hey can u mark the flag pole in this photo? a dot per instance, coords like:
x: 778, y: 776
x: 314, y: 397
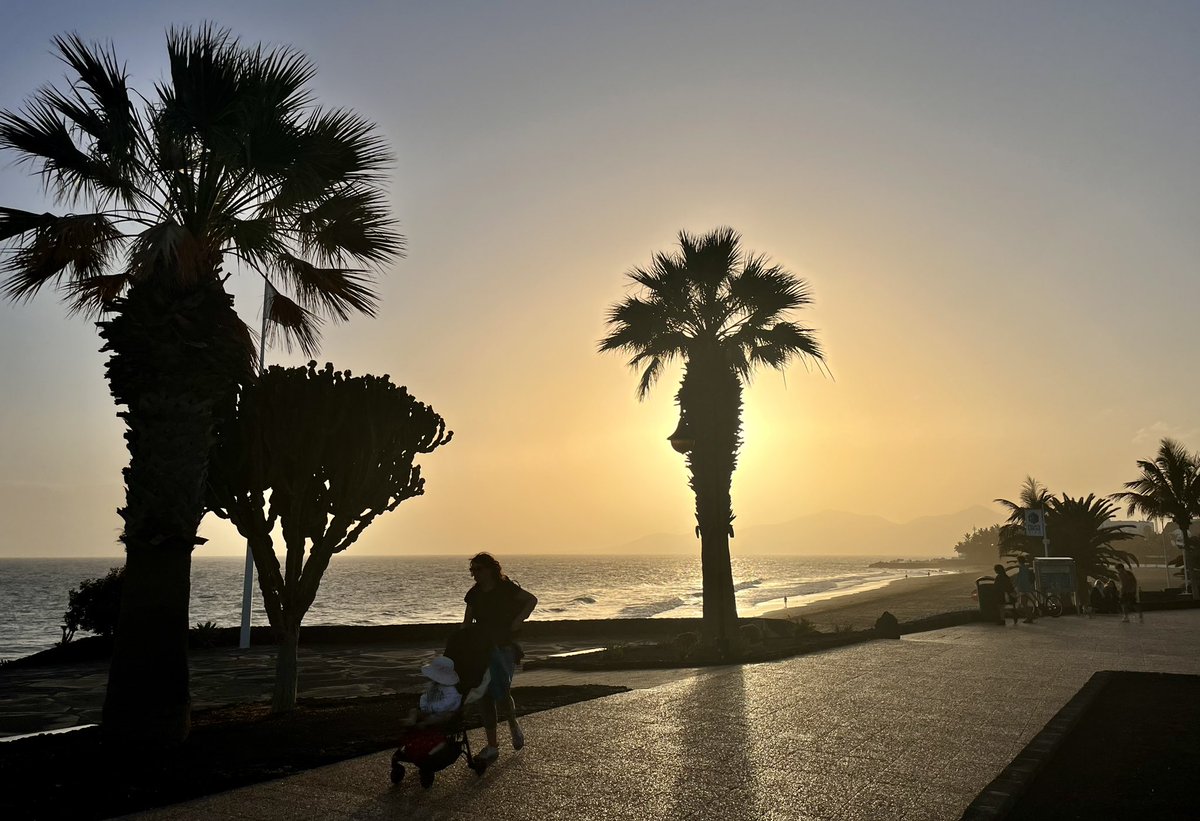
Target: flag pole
x: 248, y: 576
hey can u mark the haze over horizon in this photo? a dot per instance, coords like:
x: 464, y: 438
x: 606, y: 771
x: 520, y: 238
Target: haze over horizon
x: 994, y: 207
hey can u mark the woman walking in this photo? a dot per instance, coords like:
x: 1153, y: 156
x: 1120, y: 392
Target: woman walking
x: 498, y: 606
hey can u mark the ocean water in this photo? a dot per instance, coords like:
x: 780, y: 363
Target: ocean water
x: 370, y: 590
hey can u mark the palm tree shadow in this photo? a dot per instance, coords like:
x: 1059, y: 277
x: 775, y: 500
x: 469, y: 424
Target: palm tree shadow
x: 713, y: 751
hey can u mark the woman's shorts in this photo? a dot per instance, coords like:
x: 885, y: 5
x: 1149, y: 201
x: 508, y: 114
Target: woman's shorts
x: 501, y: 664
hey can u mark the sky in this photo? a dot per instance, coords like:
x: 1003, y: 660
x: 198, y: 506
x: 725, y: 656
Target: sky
x: 994, y: 204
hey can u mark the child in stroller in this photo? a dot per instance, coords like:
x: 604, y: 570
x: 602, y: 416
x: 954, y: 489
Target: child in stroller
x: 436, y: 735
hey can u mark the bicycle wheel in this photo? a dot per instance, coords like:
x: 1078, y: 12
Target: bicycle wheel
x: 1054, y: 606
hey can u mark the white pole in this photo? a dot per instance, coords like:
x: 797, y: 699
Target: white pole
x: 248, y: 577
x: 1045, y: 535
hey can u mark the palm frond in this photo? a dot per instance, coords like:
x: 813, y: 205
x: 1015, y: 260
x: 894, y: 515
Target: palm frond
x: 649, y: 376
x: 351, y: 223
x: 14, y: 222
x: 109, y: 119
x: 337, y: 290
x: 171, y: 250
x: 294, y: 324
x: 79, y: 244
x: 95, y: 295
x: 41, y: 139
x: 764, y: 292
x: 256, y: 240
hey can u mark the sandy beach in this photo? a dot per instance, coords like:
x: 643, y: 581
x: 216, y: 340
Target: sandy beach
x: 907, y: 599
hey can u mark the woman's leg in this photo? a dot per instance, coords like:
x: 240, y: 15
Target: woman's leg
x: 514, y: 729
x: 488, y: 707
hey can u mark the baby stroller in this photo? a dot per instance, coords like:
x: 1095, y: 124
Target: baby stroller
x: 434, y: 748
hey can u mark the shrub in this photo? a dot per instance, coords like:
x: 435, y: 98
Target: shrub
x: 95, y: 605
x: 685, y: 644
x: 204, y: 634
x: 751, y: 635
x: 804, y: 627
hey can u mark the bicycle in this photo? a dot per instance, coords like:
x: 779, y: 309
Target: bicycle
x: 1047, y: 604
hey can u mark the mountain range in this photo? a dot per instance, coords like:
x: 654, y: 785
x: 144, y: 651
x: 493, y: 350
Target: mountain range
x: 835, y: 532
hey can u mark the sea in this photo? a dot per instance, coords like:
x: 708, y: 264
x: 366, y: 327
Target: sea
x: 380, y: 590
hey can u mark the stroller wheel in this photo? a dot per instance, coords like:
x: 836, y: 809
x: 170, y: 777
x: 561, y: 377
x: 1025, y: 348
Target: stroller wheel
x: 426, y: 778
x: 397, y: 773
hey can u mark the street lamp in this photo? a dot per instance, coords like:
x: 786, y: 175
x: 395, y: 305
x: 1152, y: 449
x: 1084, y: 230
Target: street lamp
x: 682, y: 439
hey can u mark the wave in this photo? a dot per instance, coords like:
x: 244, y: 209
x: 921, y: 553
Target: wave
x: 583, y: 600
x: 811, y: 588
x: 650, y: 609
x: 740, y: 586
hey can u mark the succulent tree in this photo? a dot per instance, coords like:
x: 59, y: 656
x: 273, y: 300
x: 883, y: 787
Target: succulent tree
x: 321, y: 454
x: 226, y: 166
x: 723, y: 313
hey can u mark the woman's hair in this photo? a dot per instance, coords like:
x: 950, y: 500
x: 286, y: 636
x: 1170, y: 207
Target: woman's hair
x: 489, y: 561
x: 999, y: 568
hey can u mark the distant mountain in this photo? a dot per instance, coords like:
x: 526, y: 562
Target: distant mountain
x: 833, y: 532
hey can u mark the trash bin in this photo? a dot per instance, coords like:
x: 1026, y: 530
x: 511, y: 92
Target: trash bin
x: 990, y: 606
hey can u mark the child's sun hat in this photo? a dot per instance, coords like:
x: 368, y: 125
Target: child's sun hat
x: 441, y: 670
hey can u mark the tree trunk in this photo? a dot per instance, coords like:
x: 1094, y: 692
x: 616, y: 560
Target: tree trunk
x: 286, y: 670
x: 1188, y: 563
x: 147, y: 702
x: 710, y: 400
x: 176, y: 361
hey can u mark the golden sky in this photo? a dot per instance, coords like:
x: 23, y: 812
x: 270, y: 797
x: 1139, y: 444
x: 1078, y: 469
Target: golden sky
x: 995, y: 209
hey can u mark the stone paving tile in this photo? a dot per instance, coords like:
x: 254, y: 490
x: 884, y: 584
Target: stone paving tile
x: 909, y: 729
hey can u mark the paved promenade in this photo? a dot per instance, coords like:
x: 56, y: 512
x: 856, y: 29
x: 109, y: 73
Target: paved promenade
x: 908, y: 729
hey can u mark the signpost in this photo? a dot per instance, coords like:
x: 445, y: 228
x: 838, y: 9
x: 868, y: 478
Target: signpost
x: 1035, y: 525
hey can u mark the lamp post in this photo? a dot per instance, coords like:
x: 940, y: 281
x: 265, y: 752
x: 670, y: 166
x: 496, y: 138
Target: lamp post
x: 682, y: 439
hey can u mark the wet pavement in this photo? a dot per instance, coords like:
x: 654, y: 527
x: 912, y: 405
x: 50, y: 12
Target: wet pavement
x: 903, y: 729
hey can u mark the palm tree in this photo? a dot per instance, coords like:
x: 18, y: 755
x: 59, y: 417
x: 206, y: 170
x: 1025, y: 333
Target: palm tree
x: 226, y: 166
x: 1169, y: 488
x: 1080, y: 528
x: 1034, y: 496
x: 722, y: 312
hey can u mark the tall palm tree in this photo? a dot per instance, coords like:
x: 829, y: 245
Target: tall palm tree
x: 722, y: 312
x: 1034, y: 496
x: 226, y: 166
x: 1169, y: 488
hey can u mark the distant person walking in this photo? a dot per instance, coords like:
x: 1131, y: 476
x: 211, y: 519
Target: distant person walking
x: 1005, y: 592
x: 1024, y: 585
x: 1129, y: 593
x: 1112, y: 597
x: 499, y: 606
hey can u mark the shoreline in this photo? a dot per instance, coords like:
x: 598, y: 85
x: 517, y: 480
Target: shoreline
x: 907, y: 599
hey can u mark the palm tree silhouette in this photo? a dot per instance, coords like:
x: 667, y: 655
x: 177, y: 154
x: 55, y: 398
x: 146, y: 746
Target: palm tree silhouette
x: 1083, y: 529
x: 1077, y: 527
x: 227, y: 163
x: 722, y: 312
x: 1169, y: 488
x: 1034, y: 496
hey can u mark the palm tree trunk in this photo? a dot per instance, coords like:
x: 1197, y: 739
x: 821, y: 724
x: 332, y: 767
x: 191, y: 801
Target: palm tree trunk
x: 148, y: 701
x: 710, y: 399
x: 176, y: 360
x: 1188, y: 564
